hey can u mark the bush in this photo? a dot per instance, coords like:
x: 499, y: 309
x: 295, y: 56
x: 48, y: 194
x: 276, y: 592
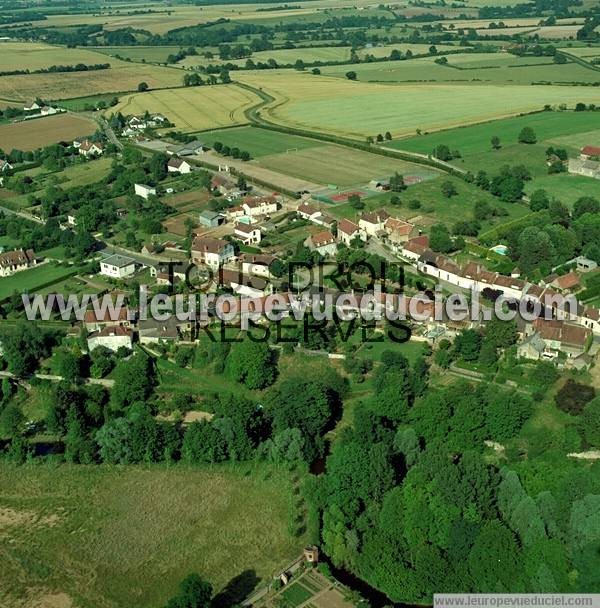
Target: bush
x: 573, y: 397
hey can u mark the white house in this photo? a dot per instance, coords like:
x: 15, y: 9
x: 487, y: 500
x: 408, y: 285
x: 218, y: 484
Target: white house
x: 144, y: 191
x: 178, y: 165
x: 323, y: 242
x: 257, y: 264
x: 247, y: 233
x: 112, y: 338
x: 15, y: 261
x: 374, y: 222
x: 414, y: 248
x: 244, y: 285
x: 347, y: 231
x: 212, y: 252
x: 32, y: 105
x: 48, y: 111
x: 259, y: 205
x: 89, y: 148
x: 117, y: 266
x: 311, y: 213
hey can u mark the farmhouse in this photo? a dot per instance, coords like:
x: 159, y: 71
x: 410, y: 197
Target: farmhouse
x: 397, y: 231
x: 557, y: 336
x: 347, y: 231
x: 257, y: 263
x: 144, y: 191
x: 179, y: 165
x: 323, y: 242
x: 259, y: 205
x: 212, y: 252
x: 5, y: 165
x: 414, y: 248
x: 590, y: 153
x: 117, y: 266
x: 225, y: 185
x: 89, y: 148
x: 31, y: 106
x: 587, y: 168
x: 112, y: 338
x: 15, y: 261
x: 247, y: 233
x: 210, y: 219
x: 374, y: 222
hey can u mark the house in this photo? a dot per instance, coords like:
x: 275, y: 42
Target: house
x: 397, y: 231
x: 560, y: 336
x: 178, y: 165
x: 144, y: 191
x: 589, y: 153
x: 244, y: 285
x: 153, y: 331
x: 591, y: 319
x: 414, y: 248
x: 587, y: 168
x: 225, y: 185
x: 247, y: 233
x: 566, y: 283
x: 31, y: 106
x: 169, y: 274
x: 96, y: 320
x: 257, y: 263
x: 48, y: 111
x: 259, y: 205
x: 347, y: 231
x: 585, y: 264
x: 15, y: 261
x: 112, y: 338
x: 117, y: 266
x: 5, y: 165
x: 212, y: 252
x: 210, y: 219
x: 532, y: 347
x: 89, y: 148
x: 306, y: 210
x: 323, y: 242
x: 313, y: 214
x: 373, y: 223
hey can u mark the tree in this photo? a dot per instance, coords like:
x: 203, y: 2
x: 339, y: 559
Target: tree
x: 589, y: 423
x: 468, y: 344
x: 142, y: 86
x: 133, y: 381
x: 527, y: 136
x: 355, y: 201
x: 496, y: 145
x: 585, y: 204
x: 316, y: 71
x: 449, y: 189
x: 442, y: 152
x: 440, y: 239
x: 11, y: 421
x: 252, y: 364
x: 351, y: 75
x: 388, y: 136
x: 539, y: 200
x: 397, y: 183
x: 573, y: 397
x: 193, y: 593
x: 24, y: 346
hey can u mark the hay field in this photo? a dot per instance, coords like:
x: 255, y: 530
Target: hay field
x: 32, y: 134
x: 193, y: 108
x: 125, y: 536
x: 122, y: 76
x: 36, y: 55
x: 358, y: 109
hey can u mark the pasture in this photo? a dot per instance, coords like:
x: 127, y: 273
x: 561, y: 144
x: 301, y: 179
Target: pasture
x: 126, y: 536
x: 358, y: 109
x: 28, y: 281
x: 40, y: 132
x: 193, y: 108
x: 475, y: 68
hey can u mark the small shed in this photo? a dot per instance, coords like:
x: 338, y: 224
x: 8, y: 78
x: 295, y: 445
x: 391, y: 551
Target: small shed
x: 210, y: 219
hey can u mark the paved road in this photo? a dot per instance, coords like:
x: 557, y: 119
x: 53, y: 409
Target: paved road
x: 110, y: 134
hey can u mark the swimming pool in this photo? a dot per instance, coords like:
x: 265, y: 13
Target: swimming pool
x: 500, y: 249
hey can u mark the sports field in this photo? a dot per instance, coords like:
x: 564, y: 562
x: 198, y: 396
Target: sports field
x: 193, y: 108
x: 359, y: 109
x: 39, y: 132
x: 126, y: 536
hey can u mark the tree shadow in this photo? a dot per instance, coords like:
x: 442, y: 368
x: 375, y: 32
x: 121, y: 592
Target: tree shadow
x: 236, y: 590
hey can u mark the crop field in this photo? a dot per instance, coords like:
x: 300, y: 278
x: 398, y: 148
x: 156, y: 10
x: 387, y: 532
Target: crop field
x: 122, y: 76
x: 359, y: 109
x: 36, y: 55
x: 126, y: 536
x: 344, y: 167
x: 193, y: 108
x: 471, y: 67
x: 583, y: 51
x: 32, y: 134
x: 259, y: 142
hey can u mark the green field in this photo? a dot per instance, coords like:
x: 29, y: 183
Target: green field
x: 566, y: 188
x: 150, y: 54
x: 30, y: 280
x: 125, y: 536
x: 259, y: 142
x: 358, y: 109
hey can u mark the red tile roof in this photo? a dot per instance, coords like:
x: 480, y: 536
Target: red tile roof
x: 322, y: 238
x: 590, y: 151
x: 347, y: 227
x: 568, y: 281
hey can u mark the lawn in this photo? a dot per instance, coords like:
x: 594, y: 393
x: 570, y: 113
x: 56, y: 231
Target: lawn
x: 193, y: 108
x: 259, y: 142
x: 566, y: 188
x: 359, y: 109
x: 125, y: 536
x: 33, y: 279
x: 40, y: 132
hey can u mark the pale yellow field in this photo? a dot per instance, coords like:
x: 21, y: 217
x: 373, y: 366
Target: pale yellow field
x: 36, y: 55
x: 194, y: 108
x: 358, y: 109
x: 124, y: 77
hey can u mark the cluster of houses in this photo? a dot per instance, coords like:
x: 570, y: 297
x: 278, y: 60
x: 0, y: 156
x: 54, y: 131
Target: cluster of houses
x: 588, y: 163
x: 135, y: 124
x: 37, y: 109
